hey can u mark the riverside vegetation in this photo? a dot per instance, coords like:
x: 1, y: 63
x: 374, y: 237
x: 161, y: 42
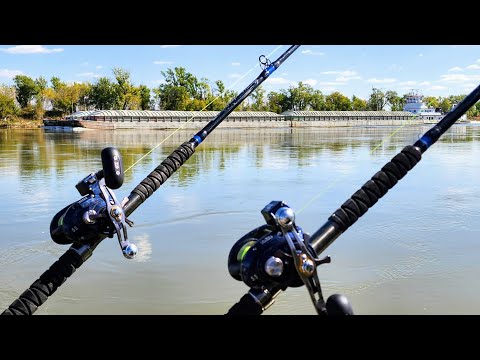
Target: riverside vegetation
x: 26, y: 103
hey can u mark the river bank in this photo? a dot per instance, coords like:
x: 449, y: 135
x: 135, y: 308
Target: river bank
x: 21, y: 123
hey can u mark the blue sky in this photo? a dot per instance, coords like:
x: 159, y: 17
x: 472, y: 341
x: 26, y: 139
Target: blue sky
x: 434, y: 70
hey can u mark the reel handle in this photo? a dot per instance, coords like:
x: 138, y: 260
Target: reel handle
x: 112, y: 167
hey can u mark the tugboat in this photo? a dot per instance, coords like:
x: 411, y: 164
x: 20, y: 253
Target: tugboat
x: 414, y: 104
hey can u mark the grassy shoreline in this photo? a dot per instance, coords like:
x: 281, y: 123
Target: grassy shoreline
x: 20, y: 123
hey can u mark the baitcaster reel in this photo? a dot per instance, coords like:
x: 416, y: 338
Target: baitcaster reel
x: 276, y: 256
x: 98, y: 214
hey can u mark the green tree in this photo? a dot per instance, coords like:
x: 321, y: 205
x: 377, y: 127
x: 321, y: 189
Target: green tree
x: 202, y: 89
x: 49, y: 95
x: 180, y: 88
x: 277, y: 102
x: 337, y: 102
x: 195, y: 105
x: 25, y: 88
x: 456, y: 99
x: 41, y: 97
x: 41, y: 83
x: 377, y: 100
x: 431, y: 102
x: 56, y: 83
x: 83, y: 94
x: 217, y: 100
x: 180, y: 77
x: 66, y: 97
x: 445, y: 105
x: 175, y: 98
x: 472, y: 112
x: 145, y: 102
x: 297, y: 98
x: 300, y: 97
x: 222, y: 97
x: 128, y: 96
x: 259, y: 100
x: 396, y: 102
x: 317, y: 101
x: 102, y: 94
x: 8, y: 108
x: 359, y: 104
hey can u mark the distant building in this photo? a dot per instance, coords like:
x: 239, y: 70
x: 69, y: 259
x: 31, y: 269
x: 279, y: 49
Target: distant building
x: 414, y: 104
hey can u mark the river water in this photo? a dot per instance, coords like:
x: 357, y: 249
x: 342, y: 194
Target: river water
x: 417, y: 251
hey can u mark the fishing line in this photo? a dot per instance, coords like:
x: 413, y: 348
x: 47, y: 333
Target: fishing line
x: 186, y: 122
x: 338, y: 178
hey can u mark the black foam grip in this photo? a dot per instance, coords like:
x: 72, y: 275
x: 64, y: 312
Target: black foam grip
x: 376, y: 187
x: 46, y: 285
x: 246, y: 306
x: 163, y: 171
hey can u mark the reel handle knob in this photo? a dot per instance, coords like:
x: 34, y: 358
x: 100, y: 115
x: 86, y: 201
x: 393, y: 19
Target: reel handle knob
x: 338, y: 305
x: 130, y: 251
x: 112, y: 167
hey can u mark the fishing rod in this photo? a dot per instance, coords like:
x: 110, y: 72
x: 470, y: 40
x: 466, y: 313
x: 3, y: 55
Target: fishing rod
x: 279, y: 254
x: 98, y: 214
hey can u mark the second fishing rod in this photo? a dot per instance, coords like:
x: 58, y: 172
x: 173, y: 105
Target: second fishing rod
x: 279, y: 254
x: 99, y: 214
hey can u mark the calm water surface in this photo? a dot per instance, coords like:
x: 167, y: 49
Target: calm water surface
x: 417, y: 251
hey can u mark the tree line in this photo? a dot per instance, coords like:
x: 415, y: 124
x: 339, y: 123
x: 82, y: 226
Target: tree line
x: 181, y: 90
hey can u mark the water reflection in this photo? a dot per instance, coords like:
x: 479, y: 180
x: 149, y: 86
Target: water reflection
x: 144, y: 247
x: 39, y: 151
